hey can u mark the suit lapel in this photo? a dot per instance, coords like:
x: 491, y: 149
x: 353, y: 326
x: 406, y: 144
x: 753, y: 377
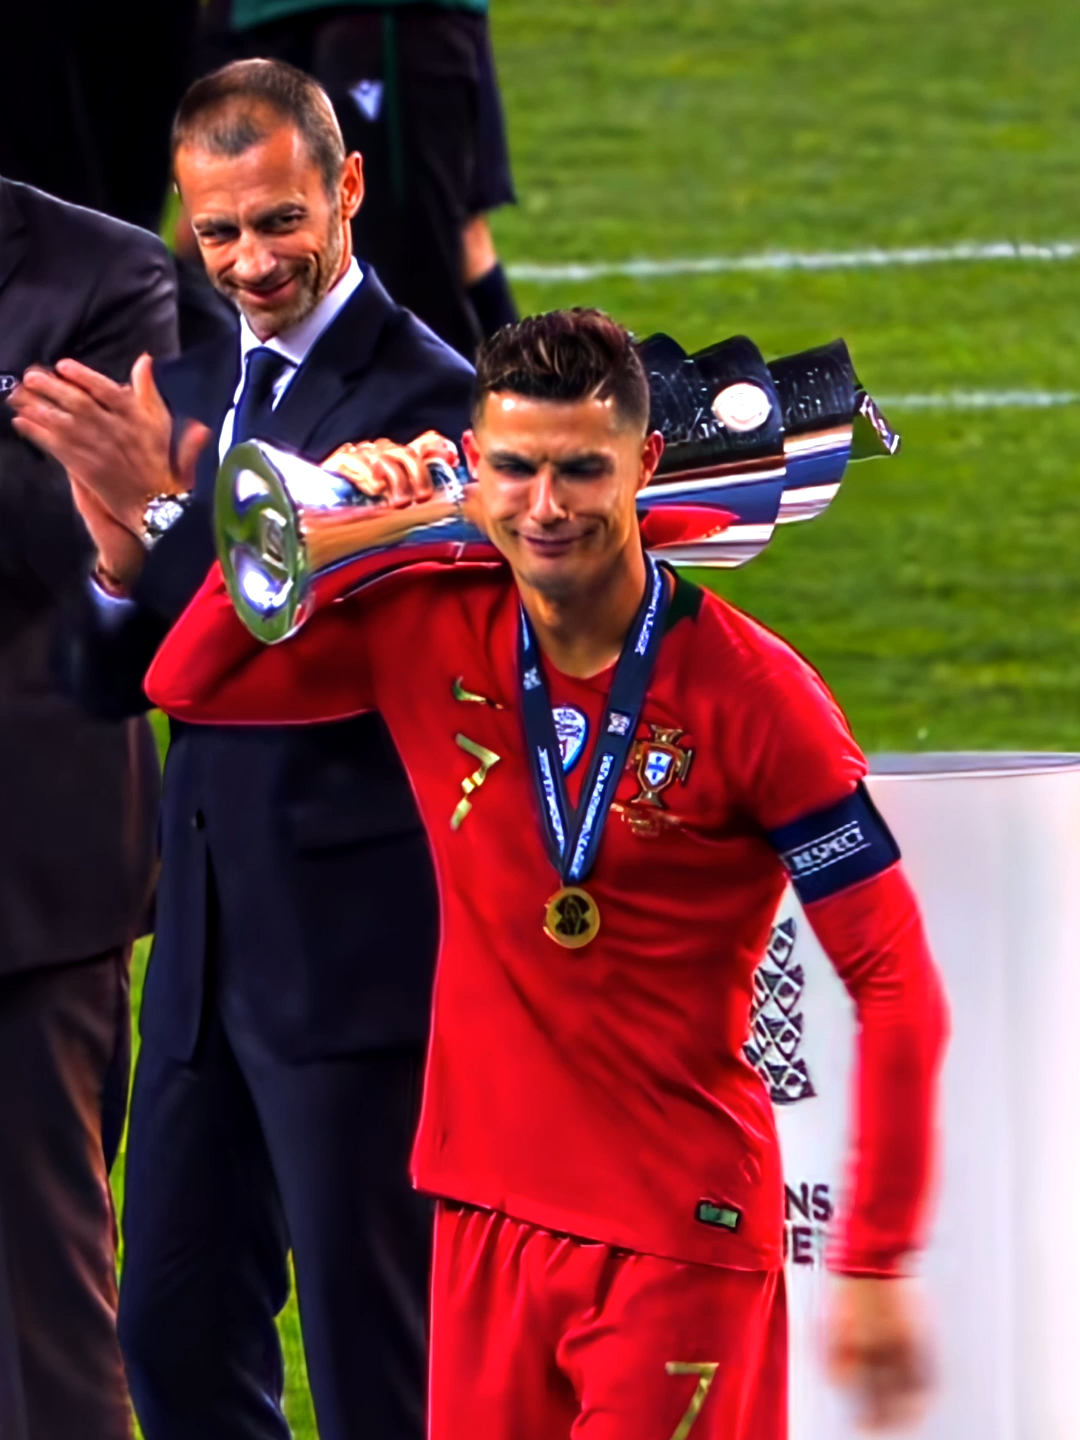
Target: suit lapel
x: 342, y: 351
x: 200, y: 386
x: 12, y: 232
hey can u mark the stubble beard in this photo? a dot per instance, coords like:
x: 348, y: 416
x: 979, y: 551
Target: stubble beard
x: 581, y: 584
x: 313, y: 283
x: 560, y: 584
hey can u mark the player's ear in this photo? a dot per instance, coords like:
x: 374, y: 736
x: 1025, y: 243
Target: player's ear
x: 651, y: 451
x: 471, y: 450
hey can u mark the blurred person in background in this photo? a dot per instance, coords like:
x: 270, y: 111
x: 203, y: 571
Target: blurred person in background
x: 78, y: 808
x: 87, y: 95
x: 287, y: 1001
x: 415, y: 91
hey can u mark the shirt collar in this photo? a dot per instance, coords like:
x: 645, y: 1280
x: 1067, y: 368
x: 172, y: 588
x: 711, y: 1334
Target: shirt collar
x: 295, y: 344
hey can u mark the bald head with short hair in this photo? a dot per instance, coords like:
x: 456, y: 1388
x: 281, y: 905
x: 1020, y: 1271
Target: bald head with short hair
x: 234, y: 109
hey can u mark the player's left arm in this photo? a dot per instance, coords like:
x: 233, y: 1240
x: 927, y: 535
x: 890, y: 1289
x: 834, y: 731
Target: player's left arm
x: 805, y: 785
x: 873, y: 933
x: 845, y: 867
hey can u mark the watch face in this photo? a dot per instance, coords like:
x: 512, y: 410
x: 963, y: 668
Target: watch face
x: 161, y: 513
x: 169, y: 513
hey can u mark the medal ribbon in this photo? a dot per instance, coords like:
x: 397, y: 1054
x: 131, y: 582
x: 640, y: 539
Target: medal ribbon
x: 573, y: 836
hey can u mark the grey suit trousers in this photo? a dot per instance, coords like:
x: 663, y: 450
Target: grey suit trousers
x: 64, y: 1059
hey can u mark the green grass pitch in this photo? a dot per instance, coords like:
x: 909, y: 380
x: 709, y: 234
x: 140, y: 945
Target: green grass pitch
x: 939, y: 594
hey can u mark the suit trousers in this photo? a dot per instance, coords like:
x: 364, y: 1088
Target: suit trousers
x: 64, y: 1058
x: 233, y: 1159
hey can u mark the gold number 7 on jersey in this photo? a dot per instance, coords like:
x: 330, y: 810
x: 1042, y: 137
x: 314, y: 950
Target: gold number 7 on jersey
x: 487, y: 759
x: 706, y: 1373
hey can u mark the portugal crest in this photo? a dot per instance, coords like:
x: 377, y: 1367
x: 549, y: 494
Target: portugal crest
x: 658, y: 763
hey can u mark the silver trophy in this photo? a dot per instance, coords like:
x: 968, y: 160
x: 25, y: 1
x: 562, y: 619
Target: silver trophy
x: 749, y: 446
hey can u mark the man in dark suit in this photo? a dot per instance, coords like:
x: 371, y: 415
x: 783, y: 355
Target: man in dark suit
x: 78, y: 805
x: 415, y: 89
x: 286, y: 1006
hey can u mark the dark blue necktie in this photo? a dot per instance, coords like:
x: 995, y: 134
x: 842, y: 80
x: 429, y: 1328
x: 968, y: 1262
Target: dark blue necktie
x: 256, y: 403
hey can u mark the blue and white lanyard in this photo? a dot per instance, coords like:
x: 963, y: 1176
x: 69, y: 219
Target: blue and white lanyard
x: 573, y: 835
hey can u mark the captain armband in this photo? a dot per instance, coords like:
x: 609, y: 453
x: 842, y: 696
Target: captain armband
x: 836, y: 848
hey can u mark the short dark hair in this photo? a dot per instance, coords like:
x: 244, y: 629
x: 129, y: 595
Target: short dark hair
x: 220, y: 113
x: 565, y: 355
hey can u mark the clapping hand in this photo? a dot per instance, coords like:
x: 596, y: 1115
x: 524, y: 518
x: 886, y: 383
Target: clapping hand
x: 112, y: 439
x: 114, y: 442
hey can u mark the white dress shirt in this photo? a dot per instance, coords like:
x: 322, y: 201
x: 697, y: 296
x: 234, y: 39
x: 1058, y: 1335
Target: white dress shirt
x: 293, y: 344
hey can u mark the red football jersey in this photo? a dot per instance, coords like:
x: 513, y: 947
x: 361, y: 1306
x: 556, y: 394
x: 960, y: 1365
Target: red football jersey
x: 603, y: 1092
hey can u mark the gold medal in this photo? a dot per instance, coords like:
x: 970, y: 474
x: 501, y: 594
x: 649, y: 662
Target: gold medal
x: 572, y: 917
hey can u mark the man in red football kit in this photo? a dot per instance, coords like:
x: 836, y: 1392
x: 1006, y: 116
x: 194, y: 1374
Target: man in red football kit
x: 617, y: 771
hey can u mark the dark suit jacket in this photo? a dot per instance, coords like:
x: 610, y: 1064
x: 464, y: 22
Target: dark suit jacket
x: 322, y: 910
x: 78, y: 797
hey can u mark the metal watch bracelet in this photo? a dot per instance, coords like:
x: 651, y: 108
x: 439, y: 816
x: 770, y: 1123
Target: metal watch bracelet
x: 161, y: 513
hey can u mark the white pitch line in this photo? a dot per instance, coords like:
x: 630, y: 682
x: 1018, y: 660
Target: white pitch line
x: 981, y: 400
x: 964, y: 252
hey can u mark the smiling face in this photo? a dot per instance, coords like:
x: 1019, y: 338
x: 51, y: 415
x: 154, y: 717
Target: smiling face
x: 272, y: 238
x: 558, y: 483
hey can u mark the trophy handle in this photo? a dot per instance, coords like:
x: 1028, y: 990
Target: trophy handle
x: 258, y: 536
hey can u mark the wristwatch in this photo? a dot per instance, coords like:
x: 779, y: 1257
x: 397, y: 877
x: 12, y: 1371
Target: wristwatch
x: 161, y: 513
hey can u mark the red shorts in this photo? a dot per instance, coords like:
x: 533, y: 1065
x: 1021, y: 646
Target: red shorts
x: 536, y: 1336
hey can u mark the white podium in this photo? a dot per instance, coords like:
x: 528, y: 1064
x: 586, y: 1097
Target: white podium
x: 992, y: 845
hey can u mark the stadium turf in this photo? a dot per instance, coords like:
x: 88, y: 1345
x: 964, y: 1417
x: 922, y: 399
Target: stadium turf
x: 939, y: 594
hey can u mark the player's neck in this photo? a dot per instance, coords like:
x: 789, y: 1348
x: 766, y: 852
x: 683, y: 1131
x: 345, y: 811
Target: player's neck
x: 583, y: 633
